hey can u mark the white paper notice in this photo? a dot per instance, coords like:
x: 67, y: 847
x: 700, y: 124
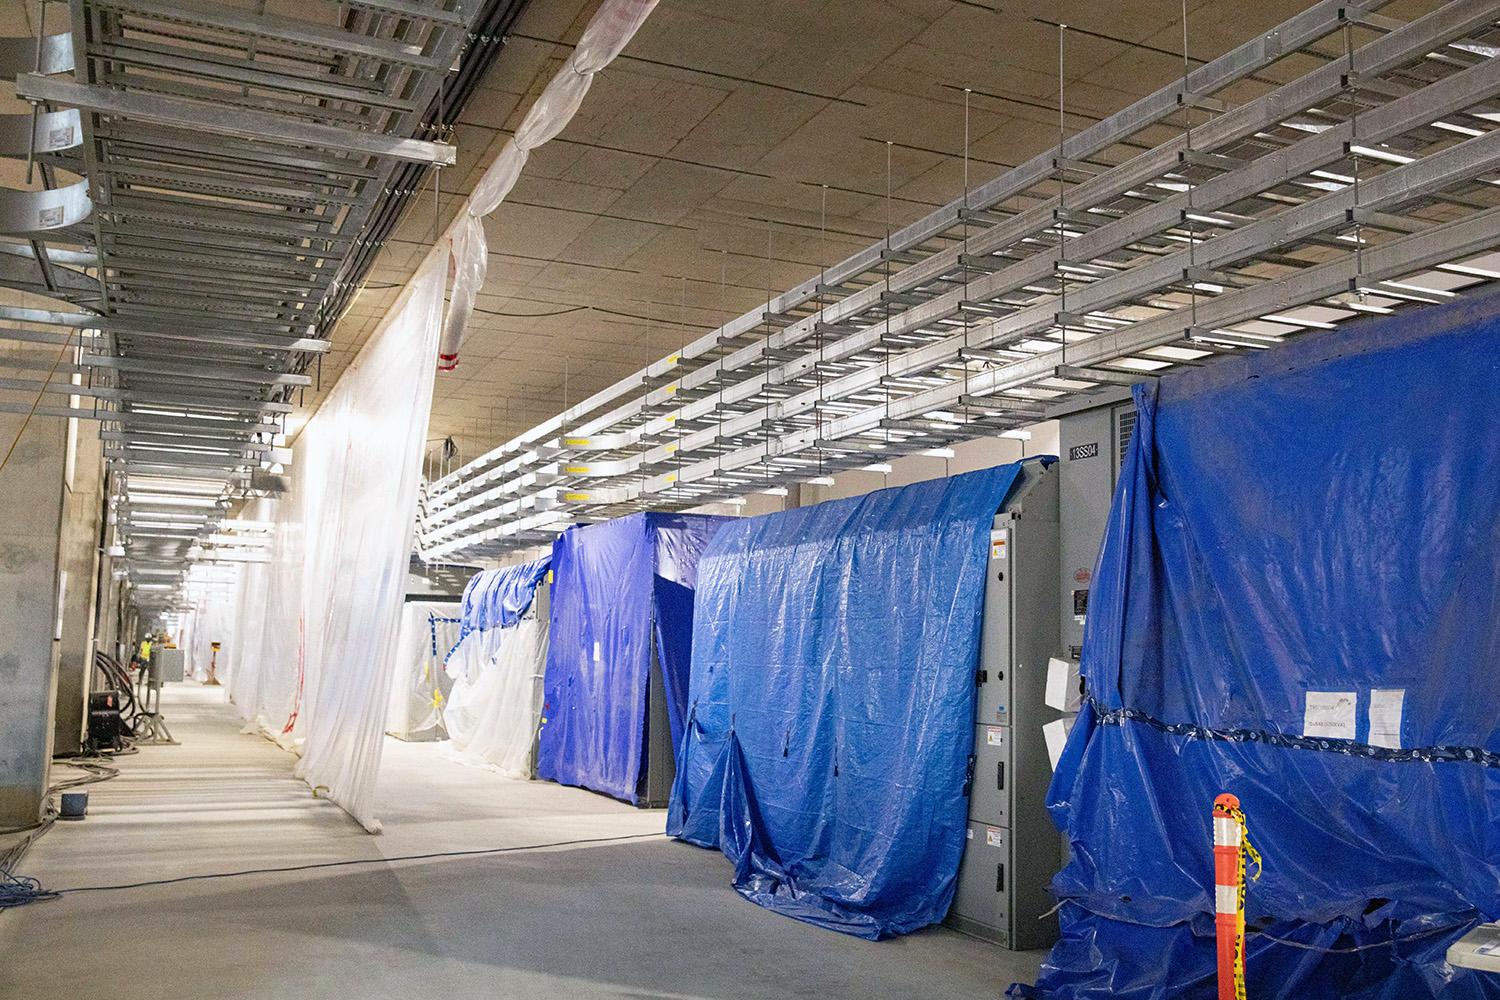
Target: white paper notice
x: 1056, y: 734
x: 1386, y: 705
x: 1330, y: 714
x: 1062, y: 685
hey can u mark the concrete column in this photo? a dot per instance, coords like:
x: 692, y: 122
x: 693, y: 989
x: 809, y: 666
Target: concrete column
x: 31, y: 496
x: 78, y: 551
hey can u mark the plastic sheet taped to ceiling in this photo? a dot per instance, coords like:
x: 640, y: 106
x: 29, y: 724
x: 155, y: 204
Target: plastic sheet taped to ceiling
x: 1297, y: 601
x: 494, y: 709
x: 343, y: 541
x: 615, y: 584
x: 832, y: 708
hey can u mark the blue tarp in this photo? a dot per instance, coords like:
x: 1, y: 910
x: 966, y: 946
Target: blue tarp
x: 832, y: 708
x: 613, y: 584
x: 498, y: 598
x: 1297, y: 601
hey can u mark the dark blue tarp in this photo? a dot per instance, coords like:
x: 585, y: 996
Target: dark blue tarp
x: 613, y: 583
x: 498, y: 598
x: 832, y: 708
x: 1321, y: 518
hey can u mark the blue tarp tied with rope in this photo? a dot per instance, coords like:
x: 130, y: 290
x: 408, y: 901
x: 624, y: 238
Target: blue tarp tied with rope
x: 1297, y: 601
x: 832, y: 705
x: 615, y: 585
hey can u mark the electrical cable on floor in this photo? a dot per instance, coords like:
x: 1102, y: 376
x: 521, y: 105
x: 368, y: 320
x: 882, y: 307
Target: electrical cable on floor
x: 358, y: 861
x: 19, y: 890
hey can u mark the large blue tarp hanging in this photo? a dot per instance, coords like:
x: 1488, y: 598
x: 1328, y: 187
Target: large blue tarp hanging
x: 614, y: 585
x: 1297, y: 601
x: 831, y: 716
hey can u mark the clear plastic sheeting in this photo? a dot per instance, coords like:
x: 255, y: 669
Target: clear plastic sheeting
x: 244, y: 661
x: 617, y: 585
x: 419, y: 685
x: 494, y: 707
x: 1296, y: 602
x: 214, y: 590
x: 607, y: 34
x: 340, y: 559
x: 832, y: 709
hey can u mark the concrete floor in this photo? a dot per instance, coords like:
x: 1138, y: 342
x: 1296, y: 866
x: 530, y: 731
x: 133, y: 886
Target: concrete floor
x: 642, y: 918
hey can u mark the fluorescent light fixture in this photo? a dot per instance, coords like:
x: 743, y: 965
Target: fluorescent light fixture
x: 1016, y: 435
x: 940, y: 452
x: 1382, y: 154
x: 775, y: 491
x: 820, y: 481
x: 735, y: 501
x: 881, y: 467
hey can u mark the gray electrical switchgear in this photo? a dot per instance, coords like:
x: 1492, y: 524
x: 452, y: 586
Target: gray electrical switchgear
x: 1013, y: 849
x: 1092, y: 440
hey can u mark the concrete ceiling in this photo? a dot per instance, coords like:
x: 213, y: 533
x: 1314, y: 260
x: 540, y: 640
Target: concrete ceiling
x: 738, y: 146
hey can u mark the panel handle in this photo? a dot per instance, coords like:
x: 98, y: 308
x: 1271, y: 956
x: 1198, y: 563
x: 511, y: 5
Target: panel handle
x: 1000, y: 877
x: 1000, y: 775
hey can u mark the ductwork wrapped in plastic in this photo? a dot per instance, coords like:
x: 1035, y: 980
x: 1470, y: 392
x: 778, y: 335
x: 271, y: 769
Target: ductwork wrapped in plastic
x: 611, y: 28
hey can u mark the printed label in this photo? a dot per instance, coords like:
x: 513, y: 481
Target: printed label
x: 997, y: 544
x: 1329, y: 714
x: 994, y: 837
x: 994, y: 736
x: 1386, y: 705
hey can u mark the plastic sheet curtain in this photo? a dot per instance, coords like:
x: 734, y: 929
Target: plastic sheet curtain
x: 617, y: 586
x: 419, y: 685
x: 244, y: 661
x: 340, y: 558
x: 213, y: 619
x: 832, y: 708
x: 494, y: 708
x: 608, y: 32
x: 1297, y: 601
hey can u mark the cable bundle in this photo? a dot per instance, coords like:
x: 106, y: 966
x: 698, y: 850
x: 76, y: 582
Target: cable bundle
x: 18, y: 890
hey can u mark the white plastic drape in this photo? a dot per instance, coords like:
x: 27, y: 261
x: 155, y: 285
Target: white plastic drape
x: 611, y: 28
x: 495, y: 707
x: 211, y: 620
x: 419, y: 685
x: 341, y: 554
x: 245, y: 655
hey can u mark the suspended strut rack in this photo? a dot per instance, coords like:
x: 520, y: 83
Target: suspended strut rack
x: 234, y: 153
x: 1224, y: 213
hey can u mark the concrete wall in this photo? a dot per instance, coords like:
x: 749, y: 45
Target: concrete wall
x: 79, y: 559
x: 31, y: 497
